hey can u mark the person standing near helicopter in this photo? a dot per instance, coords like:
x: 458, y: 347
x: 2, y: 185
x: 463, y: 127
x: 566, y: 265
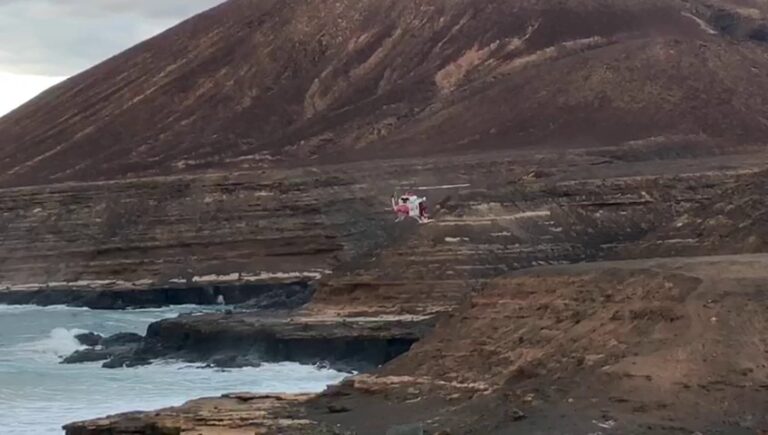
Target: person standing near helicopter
x: 410, y: 205
x: 401, y: 209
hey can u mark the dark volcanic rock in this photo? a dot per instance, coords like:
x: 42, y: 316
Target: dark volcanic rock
x: 282, y: 299
x: 121, y: 350
x: 234, y: 361
x: 89, y: 339
x: 127, y: 360
x: 87, y: 355
x: 347, y: 344
x: 245, y: 340
x: 121, y: 339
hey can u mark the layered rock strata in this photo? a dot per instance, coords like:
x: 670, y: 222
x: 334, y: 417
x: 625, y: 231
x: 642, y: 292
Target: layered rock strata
x: 644, y: 346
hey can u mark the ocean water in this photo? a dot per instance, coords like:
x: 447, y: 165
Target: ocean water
x: 38, y: 395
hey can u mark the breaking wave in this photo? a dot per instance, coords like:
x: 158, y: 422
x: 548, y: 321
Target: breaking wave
x: 38, y: 395
x: 58, y: 344
x: 13, y: 309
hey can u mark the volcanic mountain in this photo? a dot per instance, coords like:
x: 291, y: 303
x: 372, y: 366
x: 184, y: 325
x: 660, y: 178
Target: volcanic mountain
x: 255, y: 83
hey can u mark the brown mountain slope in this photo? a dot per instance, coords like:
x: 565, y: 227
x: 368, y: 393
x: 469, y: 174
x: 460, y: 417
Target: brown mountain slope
x: 255, y: 82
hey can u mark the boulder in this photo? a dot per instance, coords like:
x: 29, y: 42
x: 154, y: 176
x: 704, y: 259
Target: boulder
x: 87, y: 355
x: 90, y: 339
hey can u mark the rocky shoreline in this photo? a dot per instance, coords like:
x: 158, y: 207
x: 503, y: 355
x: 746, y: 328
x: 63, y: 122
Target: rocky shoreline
x: 428, y: 315
x: 629, y: 347
x: 242, y: 339
x: 270, y: 294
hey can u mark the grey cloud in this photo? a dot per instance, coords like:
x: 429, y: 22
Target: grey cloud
x: 144, y: 8
x: 62, y: 37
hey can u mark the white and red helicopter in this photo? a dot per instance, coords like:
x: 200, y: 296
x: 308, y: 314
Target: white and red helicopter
x: 410, y: 205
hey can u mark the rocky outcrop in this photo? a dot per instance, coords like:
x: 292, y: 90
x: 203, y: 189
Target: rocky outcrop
x: 119, y: 350
x: 230, y: 340
x: 359, y: 343
x: 90, y: 339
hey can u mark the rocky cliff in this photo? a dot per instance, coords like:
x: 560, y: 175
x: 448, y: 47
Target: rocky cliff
x: 517, y: 343
x: 662, y: 346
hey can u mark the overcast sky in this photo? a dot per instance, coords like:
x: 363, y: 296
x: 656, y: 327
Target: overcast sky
x: 45, y: 41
